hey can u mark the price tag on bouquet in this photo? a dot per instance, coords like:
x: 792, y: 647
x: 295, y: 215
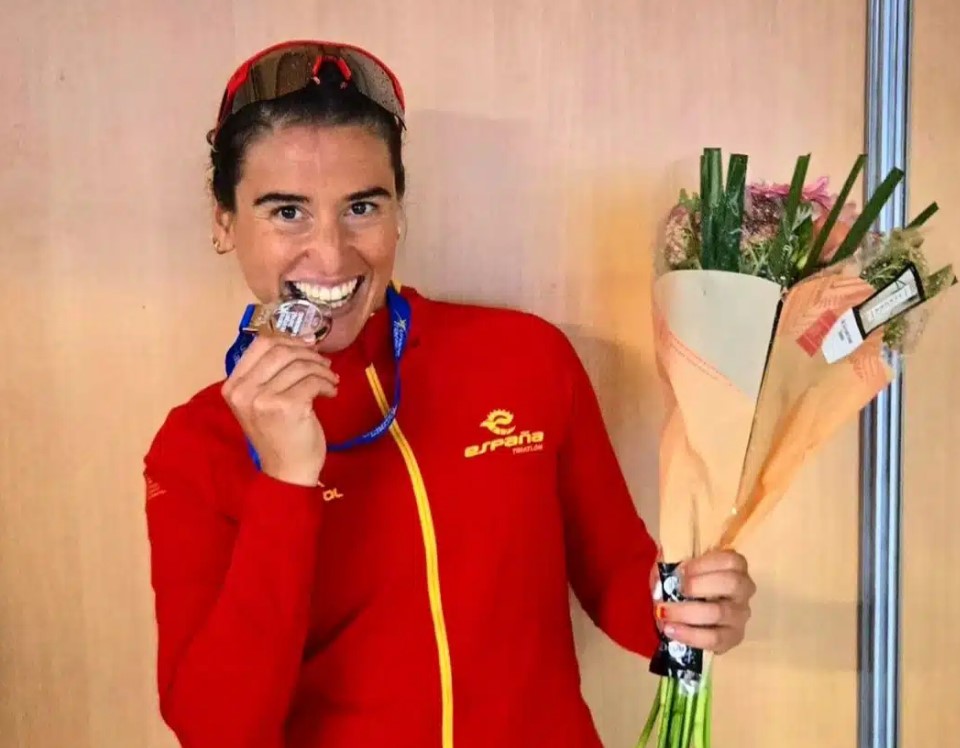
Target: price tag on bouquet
x: 898, y: 297
x: 673, y: 658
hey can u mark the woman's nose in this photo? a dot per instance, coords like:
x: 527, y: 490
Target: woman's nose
x: 326, y: 250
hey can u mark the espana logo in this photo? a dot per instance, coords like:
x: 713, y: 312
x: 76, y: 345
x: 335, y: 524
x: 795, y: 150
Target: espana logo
x: 500, y: 423
x: 497, y: 422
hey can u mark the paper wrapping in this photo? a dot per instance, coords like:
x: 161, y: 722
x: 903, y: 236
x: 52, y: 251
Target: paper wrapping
x: 748, y: 394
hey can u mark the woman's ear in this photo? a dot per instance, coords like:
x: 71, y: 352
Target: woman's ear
x: 222, y: 234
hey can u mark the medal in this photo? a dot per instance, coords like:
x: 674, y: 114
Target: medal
x: 301, y: 318
x: 294, y: 316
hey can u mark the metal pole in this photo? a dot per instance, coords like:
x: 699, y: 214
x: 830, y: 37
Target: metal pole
x: 881, y: 454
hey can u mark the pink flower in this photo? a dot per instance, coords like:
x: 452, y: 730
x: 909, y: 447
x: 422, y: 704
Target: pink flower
x: 679, y: 232
x: 814, y: 193
x: 822, y: 203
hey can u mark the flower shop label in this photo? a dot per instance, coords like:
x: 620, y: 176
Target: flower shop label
x: 899, y: 296
x: 813, y: 336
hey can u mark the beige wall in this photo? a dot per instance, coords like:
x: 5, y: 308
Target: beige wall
x: 931, y: 516
x: 547, y: 140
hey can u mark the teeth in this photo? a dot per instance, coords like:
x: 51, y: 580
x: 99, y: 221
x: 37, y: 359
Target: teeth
x: 333, y: 296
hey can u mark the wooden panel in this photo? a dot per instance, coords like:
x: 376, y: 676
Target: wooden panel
x: 547, y: 140
x: 931, y: 515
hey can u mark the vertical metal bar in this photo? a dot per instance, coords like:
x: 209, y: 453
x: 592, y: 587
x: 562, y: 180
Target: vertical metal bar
x: 881, y: 453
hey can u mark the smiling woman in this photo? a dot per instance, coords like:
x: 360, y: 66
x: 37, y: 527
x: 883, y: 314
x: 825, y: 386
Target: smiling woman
x: 429, y: 603
x: 317, y: 206
x: 308, y: 188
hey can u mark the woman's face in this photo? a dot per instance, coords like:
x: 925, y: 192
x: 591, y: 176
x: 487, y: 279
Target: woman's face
x: 317, y: 206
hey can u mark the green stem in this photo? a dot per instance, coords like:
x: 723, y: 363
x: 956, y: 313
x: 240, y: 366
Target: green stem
x: 667, y: 711
x: 676, y: 718
x: 652, y: 718
x: 701, y: 715
x: 688, y: 712
x: 708, y: 703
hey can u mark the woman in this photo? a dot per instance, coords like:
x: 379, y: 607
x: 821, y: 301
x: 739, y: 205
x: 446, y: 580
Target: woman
x: 372, y: 580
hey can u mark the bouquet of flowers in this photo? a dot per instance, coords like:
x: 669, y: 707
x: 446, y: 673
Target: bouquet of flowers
x: 773, y: 307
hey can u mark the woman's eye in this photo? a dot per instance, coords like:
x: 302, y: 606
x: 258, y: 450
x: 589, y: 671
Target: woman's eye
x: 288, y: 212
x: 362, y: 208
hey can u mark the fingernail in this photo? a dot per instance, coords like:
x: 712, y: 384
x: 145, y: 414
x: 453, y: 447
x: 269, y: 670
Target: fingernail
x: 661, y: 612
x: 669, y: 630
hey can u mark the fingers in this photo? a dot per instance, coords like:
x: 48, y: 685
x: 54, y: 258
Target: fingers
x: 712, y: 561
x: 264, y: 345
x: 716, y: 613
x: 298, y: 369
x: 718, y: 639
x: 307, y: 390
x: 297, y: 397
x: 277, y: 365
x: 260, y: 345
x: 734, y: 585
x: 717, y: 574
x: 278, y: 358
x: 713, y: 617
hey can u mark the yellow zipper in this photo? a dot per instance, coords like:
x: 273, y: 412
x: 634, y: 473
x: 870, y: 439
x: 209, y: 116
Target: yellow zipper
x: 433, y: 566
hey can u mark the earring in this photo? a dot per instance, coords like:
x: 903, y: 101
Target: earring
x: 217, y: 247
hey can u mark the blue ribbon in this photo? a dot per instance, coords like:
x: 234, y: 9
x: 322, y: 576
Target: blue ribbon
x: 400, y: 318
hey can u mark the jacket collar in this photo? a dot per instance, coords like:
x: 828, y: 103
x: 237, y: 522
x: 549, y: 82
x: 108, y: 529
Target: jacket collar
x: 374, y: 344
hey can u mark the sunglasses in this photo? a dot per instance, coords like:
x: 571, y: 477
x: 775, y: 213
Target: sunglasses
x: 292, y: 66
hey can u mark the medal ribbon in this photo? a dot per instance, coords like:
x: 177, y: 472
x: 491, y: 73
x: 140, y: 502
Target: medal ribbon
x: 400, y: 318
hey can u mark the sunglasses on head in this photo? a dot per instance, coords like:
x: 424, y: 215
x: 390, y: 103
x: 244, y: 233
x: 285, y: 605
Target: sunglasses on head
x: 292, y: 66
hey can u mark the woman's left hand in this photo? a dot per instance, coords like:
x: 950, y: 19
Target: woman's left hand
x: 718, y: 621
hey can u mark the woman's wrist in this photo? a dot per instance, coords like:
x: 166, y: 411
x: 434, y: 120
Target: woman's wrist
x: 297, y: 475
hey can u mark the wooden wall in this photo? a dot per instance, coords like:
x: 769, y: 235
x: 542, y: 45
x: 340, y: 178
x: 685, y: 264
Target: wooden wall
x: 547, y: 140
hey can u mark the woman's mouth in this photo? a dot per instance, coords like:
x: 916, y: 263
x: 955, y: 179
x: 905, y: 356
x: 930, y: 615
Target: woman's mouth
x: 333, y: 296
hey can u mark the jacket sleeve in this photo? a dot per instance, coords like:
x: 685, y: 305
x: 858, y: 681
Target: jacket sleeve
x: 610, y: 554
x: 232, y: 598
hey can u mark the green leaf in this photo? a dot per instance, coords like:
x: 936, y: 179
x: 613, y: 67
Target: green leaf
x: 804, y: 234
x: 711, y: 194
x: 924, y: 216
x: 796, y: 191
x: 781, y: 258
x: 733, y: 213
x: 936, y: 282
x: 870, y: 212
x: 834, y: 214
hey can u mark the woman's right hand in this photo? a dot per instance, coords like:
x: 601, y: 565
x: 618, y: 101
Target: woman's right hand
x: 271, y: 393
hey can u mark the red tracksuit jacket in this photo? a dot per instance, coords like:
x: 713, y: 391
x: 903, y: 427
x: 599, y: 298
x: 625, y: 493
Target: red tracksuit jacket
x: 418, y: 598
